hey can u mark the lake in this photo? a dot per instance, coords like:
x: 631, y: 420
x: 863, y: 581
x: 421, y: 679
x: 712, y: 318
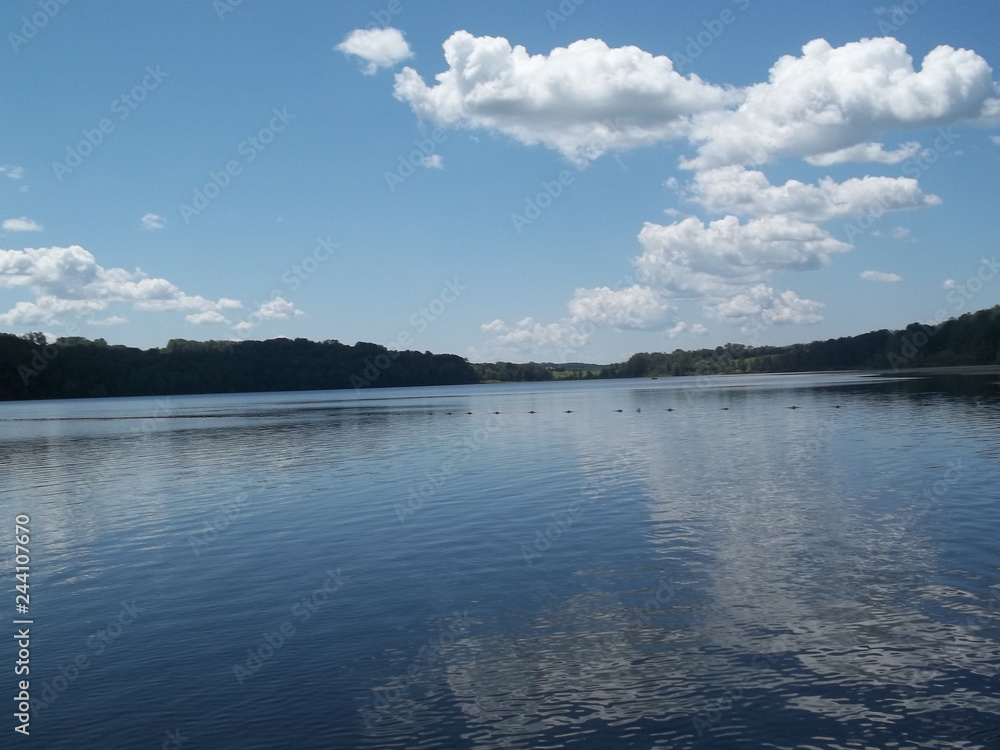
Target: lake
x: 678, y: 563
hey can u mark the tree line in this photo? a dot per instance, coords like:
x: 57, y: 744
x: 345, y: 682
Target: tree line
x: 75, y: 367
x: 972, y: 339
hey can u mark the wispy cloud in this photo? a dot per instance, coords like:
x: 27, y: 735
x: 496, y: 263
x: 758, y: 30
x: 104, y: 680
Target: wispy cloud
x: 882, y: 276
x: 903, y: 234
x: 23, y: 224
x: 152, y: 222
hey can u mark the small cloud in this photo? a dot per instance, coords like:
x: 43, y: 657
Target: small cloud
x: 881, y: 276
x: 494, y: 326
x: 276, y: 309
x: 434, y: 161
x: 152, y: 222
x: 379, y: 48
x: 698, y: 330
x: 949, y: 284
x: 677, y: 330
x: 903, y: 234
x: 14, y: 173
x: 206, y: 318
x: 24, y: 224
x: 111, y: 320
x: 995, y: 139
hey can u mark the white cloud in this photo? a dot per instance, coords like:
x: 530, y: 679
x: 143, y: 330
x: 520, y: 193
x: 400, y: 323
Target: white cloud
x: 695, y: 258
x: 46, y: 309
x: 834, y: 98
x: 152, y: 222
x: 581, y: 100
x: 734, y: 189
x: 279, y: 309
x: 379, y: 48
x: 111, y: 320
x: 695, y: 329
x: 873, y: 152
x: 890, y: 278
x: 206, y: 318
x: 274, y: 309
x: 761, y: 305
x: 527, y: 337
x: 637, y: 307
x: 68, y: 280
x: 903, y: 234
x: 827, y: 105
x: 494, y: 326
x: 14, y: 173
x: 995, y: 139
x: 949, y: 284
x: 434, y: 161
x: 724, y: 264
x: 23, y: 224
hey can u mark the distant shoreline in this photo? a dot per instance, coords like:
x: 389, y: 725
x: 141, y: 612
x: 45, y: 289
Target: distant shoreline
x: 953, y: 370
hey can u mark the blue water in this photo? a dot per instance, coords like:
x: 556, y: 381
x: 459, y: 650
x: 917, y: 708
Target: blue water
x: 318, y: 570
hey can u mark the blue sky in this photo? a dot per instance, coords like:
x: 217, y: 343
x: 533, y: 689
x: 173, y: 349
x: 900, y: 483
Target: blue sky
x: 570, y: 181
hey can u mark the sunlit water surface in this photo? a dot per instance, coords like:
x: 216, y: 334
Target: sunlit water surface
x: 319, y: 570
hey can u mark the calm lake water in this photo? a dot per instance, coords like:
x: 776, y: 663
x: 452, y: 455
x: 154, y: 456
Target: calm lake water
x: 315, y: 570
